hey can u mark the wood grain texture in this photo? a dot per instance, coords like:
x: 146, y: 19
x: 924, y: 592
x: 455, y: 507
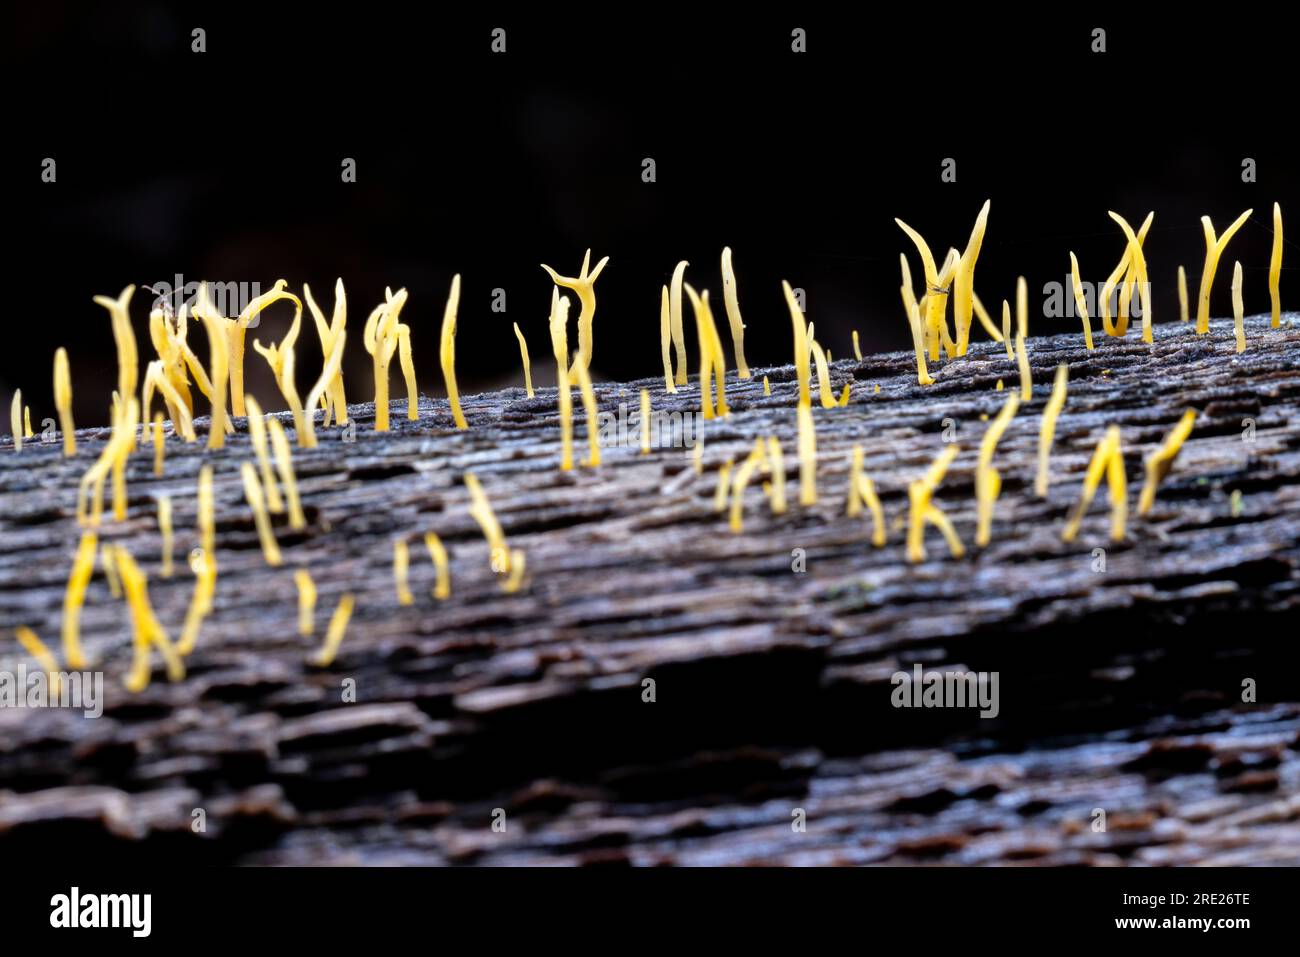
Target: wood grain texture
x: 1119, y: 690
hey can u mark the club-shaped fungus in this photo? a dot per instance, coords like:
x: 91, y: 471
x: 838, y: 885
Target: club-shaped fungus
x: 257, y: 437
x: 63, y: 400
x: 235, y: 332
x: 44, y: 657
x: 1047, y: 431
x: 336, y: 401
x: 284, y: 467
x: 767, y: 386
x: 710, y: 356
x: 563, y: 394
x: 732, y: 302
x: 923, y: 376
x: 1238, y: 308
x: 936, y: 296
x: 148, y: 633
x: 442, y: 568
x: 204, y: 565
x: 401, y: 572
x: 83, y: 566
x: 382, y: 336
x: 592, y: 414
x: 523, y: 357
x: 1007, y: 340
x: 165, y: 529
x: 1275, y: 267
x: 645, y: 421
x: 108, y: 561
x: 665, y: 339
x: 92, y: 482
x: 963, y: 303
x: 16, y: 420
x: 724, y: 480
x: 988, y: 481
x: 1026, y: 377
x: 124, y: 338
x: 922, y: 511
x: 1214, y: 246
x: 1161, y: 460
x: 675, y: 320
x: 338, y: 627
x: 330, y: 376
x: 516, y: 576
x: 1080, y: 302
x: 262, y: 518
x: 741, y: 479
x: 776, y: 469
x: 862, y: 491
x: 801, y: 348
x: 1182, y: 295
x: 1137, y: 270
x: 159, y: 445
x: 824, y: 391
x: 306, y: 602
x: 584, y: 285
x: 480, y: 509
x: 447, y: 356
x: 807, y: 456
x: 219, y: 360
x: 1108, y: 449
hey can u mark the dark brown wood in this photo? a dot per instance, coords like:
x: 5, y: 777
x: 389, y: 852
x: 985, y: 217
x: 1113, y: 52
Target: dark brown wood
x: 1120, y: 689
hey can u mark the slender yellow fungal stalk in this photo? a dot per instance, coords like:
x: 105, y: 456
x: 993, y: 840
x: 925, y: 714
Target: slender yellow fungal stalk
x: 585, y: 287
x: 204, y: 566
x: 165, y: 527
x: 16, y: 420
x: 844, y: 395
x: 707, y: 364
x: 1047, y: 431
x: 338, y: 626
x: 665, y: 339
x: 107, y: 559
x: 592, y: 415
x: 442, y: 568
x: 1080, y: 303
x: 523, y: 355
x: 262, y: 518
x: 284, y: 466
x: 988, y: 481
x: 63, y: 398
x: 113, y: 457
x: 44, y: 657
x: 401, y: 572
x: 148, y: 632
x: 219, y: 359
x: 128, y: 358
x: 776, y: 468
x: 921, y: 511
x: 1138, y: 269
x: 918, y: 343
x: 1117, y: 488
x: 1022, y: 307
x: 1214, y: 247
x: 741, y: 479
x: 767, y: 386
x: 985, y: 319
x: 1161, y: 460
x: 697, y: 456
x: 329, y: 336
x: 823, y: 377
x: 408, y: 372
x: 1006, y: 331
x: 207, y: 520
x: 732, y: 302
x: 675, y: 320
x: 560, y: 347
x: 159, y: 447
x: 724, y: 478
x: 1238, y: 309
x: 306, y: 602
x: 963, y: 303
x: 936, y: 297
x: 1026, y: 377
x: 1182, y: 294
x: 1275, y: 267
x: 853, y: 500
x: 516, y: 576
x: 807, y: 456
x: 480, y: 509
x: 331, y: 377
x: 801, y: 349
x: 867, y: 492
x: 27, y: 423
x: 282, y: 362
x: 83, y: 566
x: 235, y: 334
x: 857, y: 350
x: 719, y: 358
x: 1098, y: 466
x: 448, y: 356
x: 257, y: 436
x: 645, y: 421
x: 382, y: 336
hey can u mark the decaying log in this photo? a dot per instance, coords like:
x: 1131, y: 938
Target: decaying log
x: 1121, y: 689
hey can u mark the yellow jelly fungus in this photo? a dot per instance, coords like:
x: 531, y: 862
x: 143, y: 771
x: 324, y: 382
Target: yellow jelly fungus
x: 382, y: 336
x: 584, y: 285
x: 564, y: 397
x: 801, y: 349
x: 1047, y: 431
x: 447, y: 355
x: 331, y: 376
x: 27, y: 423
x: 147, y: 631
x: 1182, y: 294
x: 63, y: 400
x: 44, y: 657
x: 159, y: 447
x: 1117, y: 488
x: 442, y: 568
x: 1080, y: 302
x: 1138, y: 270
x: 1098, y: 466
x: 988, y: 481
x: 16, y: 420
x: 963, y: 303
x: 823, y: 377
x: 219, y: 359
x: 1006, y: 330
x: 1238, y: 309
x: 807, y: 456
x: 107, y: 558
x: 592, y: 415
x: 207, y: 521
x: 776, y: 468
x: 1022, y: 307
x: 1275, y: 267
x: 665, y: 339
x: 741, y: 479
x: 1161, y: 460
x: 936, y: 296
x: 921, y: 511
x: 113, y: 457
x: 724, y: 478
x: 857, y: 350
x: 645, y: 421
x: 338, y: 626
x: 708, y: 361
x: 844, y: 395
x: 155, y: 378
x: 918, y: 343
x: 1214, y: 246
x: 204, y: 566
x: 675, y: 320
x: 401, y: 572
x: 257, y: 436
x: 985, y: 319
x: 83, y: 566
x: 330, y: 334
x: 853, y: 501
x: 253, y: 492
x: 235, y: 333
x: 867, y: 489
x: 523, y: 357
x: 282, y: 362
x: 165, y: 528
x: 516, y: 576
x: 408, y: 372
x: 697, y: 456
x: 1026, y: 378
x: 284, y: 467
x: 480, y: 509
x: 767, y: 386
x: 128, y: 370
x: 306, y: 602
x: 908, y: 294
x: 732, y: 303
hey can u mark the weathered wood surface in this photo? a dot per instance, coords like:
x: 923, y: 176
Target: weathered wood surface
x: 1119, y: 690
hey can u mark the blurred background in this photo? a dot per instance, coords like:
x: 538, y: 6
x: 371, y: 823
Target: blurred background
x: 226, y: 166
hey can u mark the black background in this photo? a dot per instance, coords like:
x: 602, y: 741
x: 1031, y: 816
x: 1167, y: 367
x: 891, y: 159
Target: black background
x: 226, y: 165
